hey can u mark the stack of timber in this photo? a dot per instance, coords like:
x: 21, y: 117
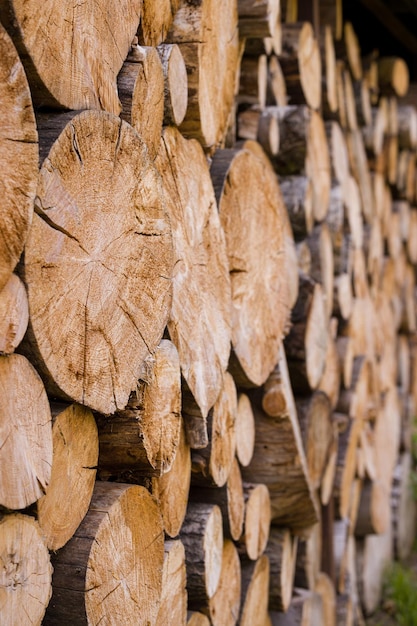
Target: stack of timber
x: 208, y: 332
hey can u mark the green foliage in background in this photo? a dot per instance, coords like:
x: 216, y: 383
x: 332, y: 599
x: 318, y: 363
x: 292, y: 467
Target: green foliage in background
x: 400, y: 592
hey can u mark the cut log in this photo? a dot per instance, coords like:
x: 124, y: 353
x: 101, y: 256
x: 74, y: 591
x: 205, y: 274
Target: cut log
x: 110, y: 292
x: 113, y: 564
x: 314, y: 416
x: 72, y: 55
x: 26, y: 571
x: 330, y: 12
x: 306, y: 609
x: 18, y: 160
x: 251, y: 205
x: 363, y: 102
x: 260, y: 125
x: 140, y: 84
x: 258, y: 18
x: 353, y: 51
x: 173, y: 608
x: 253, y: 81
x: 325, y: 588
x: 26, y: 434
x: 276, y: 88
x: 229, y: 498
x: 297, y: 192
x: 172, y: 488
x: 279, y: 462
x: 74, y: 462
x: 245, y: 430
x: 360, y: 171
x: 202, y: 536
x: 175, y: 84
x: 308, y: 560
x: 329, y: 474
x: 202, y: 332
x: 197, y: 619
x: 339, y: 158
x: 156, y: 20
x: 346, y: 465
x: 301, y: 64
x: 281, y: 551
x: 207, y: 35
x: 393, y: 76
x: 306, y: 343
x: 328, y: 55
x: 330, y: 380
x: 407, y: 127
x: 14, y: 314
x: 374, y: 509
x: 214, y: 462
x: 224, y: 606
x: 319, y: 242
x: 255, y: 592
x: 143, y: 438
x: 257, y: 520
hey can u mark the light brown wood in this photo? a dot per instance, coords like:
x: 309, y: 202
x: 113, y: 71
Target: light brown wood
x: 14, y: 314
x: 281, y: 551
x: 113, y: 564
x: 250, y: 205
x: 306, y: 609
x: 330, y: 12
x: 279, y: 462
x: 74, y: 462
x: 325, y: 588
x: 207, y: 35
x: 26, y: 451
x: 360, y: 171
x: 255, y: 585
x: 197, y: 619
x: 258, y: 18
x: 253, y: 81
x: 173, y: 608
x: 339, y: 158
x: 201, y: 333
x: 72, y: 55
x: 140, y: 85
x: 107, y: 316
x: 175, y: 83
x: 308, y: 560
x: 143, y: 438
x: 346, y: 465
x: 245, y: 430
x: 214, y: 462
x: 18, y: 157
x: 328, y: 54
x: 319, y: 242
x: 257, y: 520
x: 374, y: 509
x: 403, y: 507
x: 407, y: 127
x: 330, y: 380
x: 277, y: 88
x: 301, y: 64
x: 353, y: 51
x: 26, y: 571
x: 172, y: 488
x: 224, y: 606
x: 202, y: 536
x: 393, y: 76
x: 155, y: 21
x: 260, y: 125
x: 297, y: 192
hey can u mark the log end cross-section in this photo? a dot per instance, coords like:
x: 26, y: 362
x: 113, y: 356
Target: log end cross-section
x: 98, y: 262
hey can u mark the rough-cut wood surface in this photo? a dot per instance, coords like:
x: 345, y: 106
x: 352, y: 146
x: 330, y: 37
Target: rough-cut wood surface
x: 223, y: 607
x: 202, y: 331
x: 25, y: 579
x: 18, y: 157
x: 245, y: 430
x: 173, y: 608
x: 14, y: 314
x: 113, y: 564
x: 26, y: 434
x: 251, y: 213
x: 74, y: 462
x: 72, y: 53
x: 281, y: 551
x: 255, y: 586
x: 101, y: 242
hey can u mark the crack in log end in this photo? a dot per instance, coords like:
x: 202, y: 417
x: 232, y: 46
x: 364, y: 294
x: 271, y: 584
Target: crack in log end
x: 40, y: 211
x: 75, y: 144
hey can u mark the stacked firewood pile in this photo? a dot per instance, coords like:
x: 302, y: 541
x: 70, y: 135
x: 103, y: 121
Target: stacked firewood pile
x: 208, y: 319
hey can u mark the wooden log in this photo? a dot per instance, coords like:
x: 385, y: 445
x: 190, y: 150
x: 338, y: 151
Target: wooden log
x: 245, y: 430
x: 281, y: 551
x: 373, y: 514
x: 314, y: 416
x: 322, y: 265
x: 304, y: 257
x: 254, y: 592
x: 330, y: 380
x: 308, y: 560
x: 329, y: 99
x: 19, y: 157
x: 279, y: 462
x: 143, y: 438
x: 14, y: 314
x: 258, y: 19
x: 250, y: 202
x: 74, y: 462
x: 230, y: 499
x: 156, y: 20
x: 339, y: 158
x: 214, y: 462
x: 297, y: 192
x: 26, y: 450
x: 212, y: 58
x: 260, y: 125
x: 363, y: 103
x: 374, y: 132
x: 330, y: 12
x: 276, y: 86
x: 253, y: 81
x: 329, y: 474
x: 301, y: 64
x: 175, y: 84
x: 306, y: 343
x: 346, y: 465
x: 306, y: 608
x: 393, y: 76
x: 223, y: 607
x: 403, y: 507
x: 350, y: 101
x: 387, y: 437
x: 202, y: 536
x: 113, y: 564
x: 353, y: 51
x: 407, y: 127
x: 47, y: 41
x: 141, y: 96
x: 360, y: 171
x: 201, y: 275
x: 257, y: 520
x: 173, y: 607
x: 172, y: 488
x: 26, y: 571
x: 197, y: 619
x: 325, y: 588
x: 107, y: 263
